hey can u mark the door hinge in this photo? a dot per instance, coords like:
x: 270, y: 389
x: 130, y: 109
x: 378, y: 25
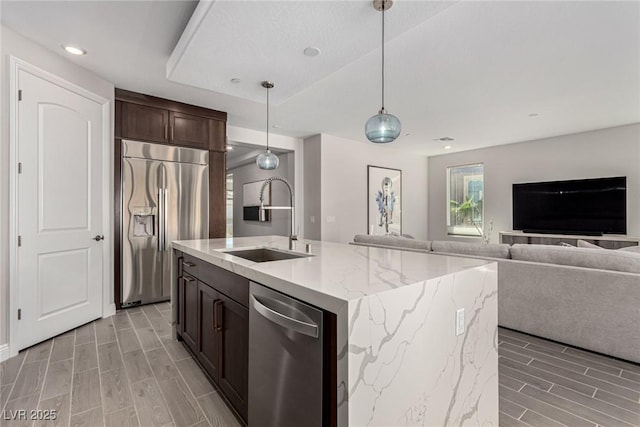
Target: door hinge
x: 19, y: 314
x: 19, y: 167
x: 19, y: 241
x: 20, y: 95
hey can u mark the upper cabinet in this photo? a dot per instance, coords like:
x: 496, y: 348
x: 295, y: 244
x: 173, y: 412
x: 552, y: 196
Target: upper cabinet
x: 145, y: 123
x: 147, y: 118
x: 186, y: 129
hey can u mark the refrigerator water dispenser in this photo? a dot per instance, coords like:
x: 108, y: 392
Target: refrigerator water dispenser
x: 143, y: 222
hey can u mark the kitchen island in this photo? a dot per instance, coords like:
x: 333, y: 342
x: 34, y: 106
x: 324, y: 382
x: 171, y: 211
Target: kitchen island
x: 415, y: 334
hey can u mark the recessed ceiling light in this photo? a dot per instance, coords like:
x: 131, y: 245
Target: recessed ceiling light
x: 235, y: 80
x: 447, y: 147
x: 533, y: 114
x: 312, y: 51
x: 229, y: 147
x: 445, y: 139
x: 276, y: 126
x: 407, y: 134
x: 74, y: 50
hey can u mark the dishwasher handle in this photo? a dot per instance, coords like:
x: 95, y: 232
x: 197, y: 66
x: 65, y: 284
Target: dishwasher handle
x: 309, y: 329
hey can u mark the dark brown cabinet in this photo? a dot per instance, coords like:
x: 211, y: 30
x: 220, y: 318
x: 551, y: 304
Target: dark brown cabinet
x: 189, y: 130
x: 209, y: 320
x: 234, y: 353
x: 147, y: 118
x: 213, y: 322
x: 189, y: 324
x: 145, y: 123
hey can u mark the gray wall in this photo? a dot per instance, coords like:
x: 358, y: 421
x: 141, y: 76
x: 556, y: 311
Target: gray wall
x: 279, y: 224
x: 312, y: 188
x: 338, y: 197
x: 601, y: 153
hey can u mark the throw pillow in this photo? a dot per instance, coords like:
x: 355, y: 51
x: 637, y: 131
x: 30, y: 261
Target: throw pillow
x: 585, y: 244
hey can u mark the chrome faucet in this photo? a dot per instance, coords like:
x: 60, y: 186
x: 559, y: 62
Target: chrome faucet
x: 263, y: 208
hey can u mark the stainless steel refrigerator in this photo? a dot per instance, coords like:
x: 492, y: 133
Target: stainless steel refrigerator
x: 165, y: 197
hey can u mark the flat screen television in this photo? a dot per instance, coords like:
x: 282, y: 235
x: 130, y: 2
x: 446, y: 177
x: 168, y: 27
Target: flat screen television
x: 582, y: 206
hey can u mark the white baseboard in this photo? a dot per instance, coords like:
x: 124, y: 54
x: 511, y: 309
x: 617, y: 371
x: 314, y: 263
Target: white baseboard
x: 4, y: 352
x: 109, y: 311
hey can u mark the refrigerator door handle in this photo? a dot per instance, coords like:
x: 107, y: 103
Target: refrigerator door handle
x: 160, y: 219
x: 165, y: 218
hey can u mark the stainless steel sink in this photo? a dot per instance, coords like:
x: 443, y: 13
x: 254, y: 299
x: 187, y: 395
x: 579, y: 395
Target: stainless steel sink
x: 265, y: 254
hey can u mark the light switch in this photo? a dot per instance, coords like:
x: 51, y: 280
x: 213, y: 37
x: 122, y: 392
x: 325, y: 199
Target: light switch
x: 312, y: 219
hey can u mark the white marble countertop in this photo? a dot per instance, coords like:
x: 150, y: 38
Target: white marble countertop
x: 336, y: 273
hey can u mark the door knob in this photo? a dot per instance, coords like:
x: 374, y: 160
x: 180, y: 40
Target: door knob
x: 98, y: 238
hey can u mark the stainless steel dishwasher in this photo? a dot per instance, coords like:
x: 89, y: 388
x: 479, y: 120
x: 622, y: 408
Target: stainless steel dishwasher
x: 285, y: 360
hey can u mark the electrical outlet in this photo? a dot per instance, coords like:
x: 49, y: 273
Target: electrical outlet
x: 312, y: 219
x: 460, y: 321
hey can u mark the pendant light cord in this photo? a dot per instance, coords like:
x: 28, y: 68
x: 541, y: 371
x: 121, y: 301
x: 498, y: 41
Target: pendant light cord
x: 267, y: 119
x: 384, y: 6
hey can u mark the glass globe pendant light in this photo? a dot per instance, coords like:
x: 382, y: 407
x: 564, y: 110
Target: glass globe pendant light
x: 382, y: 127
x: 267, y: 160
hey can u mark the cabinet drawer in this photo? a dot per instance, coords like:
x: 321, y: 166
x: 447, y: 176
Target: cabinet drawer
x: 191, y: 265
x: 234, y: 286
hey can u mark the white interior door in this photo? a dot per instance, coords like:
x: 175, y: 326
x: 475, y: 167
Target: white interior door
x: 60, y: 212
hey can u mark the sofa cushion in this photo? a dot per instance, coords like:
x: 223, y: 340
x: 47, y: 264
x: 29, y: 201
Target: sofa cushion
x: 603, y: 259
x: 490, y: 250
x: 585, y: 244
x: 395, y: 241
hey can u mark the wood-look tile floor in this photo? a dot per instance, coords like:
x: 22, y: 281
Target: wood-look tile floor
x: 544, y: 383
x: 127, y: 371
x: 121, y: 371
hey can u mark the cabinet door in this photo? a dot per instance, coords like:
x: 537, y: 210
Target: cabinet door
x: 234, y: 354
x: 145, y: 123
x: 189, y: 130
x: 189, y: 301
x: 208, y: 350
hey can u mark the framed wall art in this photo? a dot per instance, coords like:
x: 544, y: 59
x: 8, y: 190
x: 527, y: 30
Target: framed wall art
x: 384, y: 200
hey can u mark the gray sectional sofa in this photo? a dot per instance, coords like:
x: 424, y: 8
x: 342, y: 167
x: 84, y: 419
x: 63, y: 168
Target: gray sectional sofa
x: 582, y: 296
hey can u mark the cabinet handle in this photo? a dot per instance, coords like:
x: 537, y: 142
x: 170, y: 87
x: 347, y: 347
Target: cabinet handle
x: 213, y: 325
x: 188, y: 279
x: 188, y: 264
x: 171, y: 127
x: 218, y: 318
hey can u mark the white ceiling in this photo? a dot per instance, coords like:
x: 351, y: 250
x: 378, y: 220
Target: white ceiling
x: 474, y: 71
x: 256, y: 41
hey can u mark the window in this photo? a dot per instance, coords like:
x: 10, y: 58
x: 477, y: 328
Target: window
x: 465, y: 192
x: 230, y: 205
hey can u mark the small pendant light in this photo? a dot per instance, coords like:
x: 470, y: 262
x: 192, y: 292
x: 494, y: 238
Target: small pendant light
x: 382, y: 127
x: 267, y: 160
